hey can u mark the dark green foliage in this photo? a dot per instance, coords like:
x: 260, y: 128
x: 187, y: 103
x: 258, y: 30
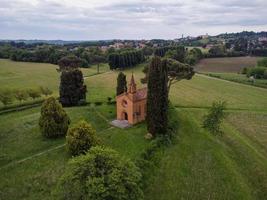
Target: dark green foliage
x: 193, y: 56
x: 213, y: 120
x: 157, y: 97
x: 125, y: 59
x: 101, y: 174
x: 69, y: 63
x: 244, y: 70
x: 121, y: 84
x: 262, y: 62
x: 72, y: 89
x: 176, y: 71
x: 54, y: 121
x: 256, y: 72
x: 80, y: 138
x: 217, y: 51
x: 175, y: 52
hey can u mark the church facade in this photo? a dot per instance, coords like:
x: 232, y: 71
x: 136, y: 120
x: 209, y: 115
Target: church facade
x: 131, y: 105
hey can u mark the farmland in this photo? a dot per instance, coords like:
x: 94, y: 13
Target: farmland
x: 230, y: 69
x: 197, y: 166
x: 230, y: 65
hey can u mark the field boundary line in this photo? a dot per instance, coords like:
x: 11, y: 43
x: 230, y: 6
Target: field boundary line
x: 41, y: 153
x: 33, y: 156
x: 220, y: 79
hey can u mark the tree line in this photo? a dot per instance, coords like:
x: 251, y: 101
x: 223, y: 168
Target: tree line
x: 125, y: 59
x: 52, y: 53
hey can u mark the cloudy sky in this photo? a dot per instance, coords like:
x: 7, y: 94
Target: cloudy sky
x: 127, y: 19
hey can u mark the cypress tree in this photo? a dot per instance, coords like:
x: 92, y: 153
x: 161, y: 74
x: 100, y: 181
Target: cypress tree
x: 121, y: 84
x: 72, y: 89
x: 157, y: 97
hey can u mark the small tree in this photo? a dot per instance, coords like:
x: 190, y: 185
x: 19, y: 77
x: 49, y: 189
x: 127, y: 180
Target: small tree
x: 80, y: 138
x: 21, y: 95
x: 54, y: 121
x: 121, y: 83
x: 100, y: 174
x: 34, y: 93
x: 6, y: 97
x: 212, y: 121
x: 45, y: 91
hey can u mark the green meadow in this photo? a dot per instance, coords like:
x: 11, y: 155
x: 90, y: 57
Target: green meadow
x: 198, y: 165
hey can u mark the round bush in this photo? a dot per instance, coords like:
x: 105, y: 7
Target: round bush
x: 80, y: 138
x: 54, y: 121
x: 100, y: 174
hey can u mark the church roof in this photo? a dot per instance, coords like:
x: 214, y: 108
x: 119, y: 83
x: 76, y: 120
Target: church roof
x: 141, y: 94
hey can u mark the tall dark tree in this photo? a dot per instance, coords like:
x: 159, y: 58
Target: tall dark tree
x: 157, y: 97
x: 72, y: 88
x: 121, y: 83
x: 69, y: 63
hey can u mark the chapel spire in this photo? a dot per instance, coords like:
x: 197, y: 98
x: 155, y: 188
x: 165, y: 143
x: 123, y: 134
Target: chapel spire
x: 132, y: 85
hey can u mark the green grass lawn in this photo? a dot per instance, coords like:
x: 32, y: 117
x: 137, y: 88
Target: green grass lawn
x: 36, y: 177
x: 203, y: 166
x: 198, y: 166
x: 23, y: 75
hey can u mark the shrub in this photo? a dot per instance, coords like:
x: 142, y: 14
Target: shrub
x: 45, y: 91
x: 80, y: 138
x: 100, y: 174
x: 244, y: 70
x: 98, y: 103
x: 256, y: 72
x: 262, y: 62
x: 6, y: 97
x: 212, y: 121
x: 53, y: 121
x: 34, y: 93
x: 21, y: 95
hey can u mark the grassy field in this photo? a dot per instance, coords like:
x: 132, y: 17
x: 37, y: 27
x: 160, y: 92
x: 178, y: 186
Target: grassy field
x: 202, y: 166
x: 23, y: 75
x: 197, y: 166
x: 28, y: 171
x: 232, y: 65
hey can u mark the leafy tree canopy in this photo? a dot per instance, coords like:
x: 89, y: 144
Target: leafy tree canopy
x: 100, y: 174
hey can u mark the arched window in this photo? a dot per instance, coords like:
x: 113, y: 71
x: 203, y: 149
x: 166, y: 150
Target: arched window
x: 124, y: 103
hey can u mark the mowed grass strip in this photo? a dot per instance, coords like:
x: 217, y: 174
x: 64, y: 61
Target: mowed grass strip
x: 203, y: 166
x: 202, y: 91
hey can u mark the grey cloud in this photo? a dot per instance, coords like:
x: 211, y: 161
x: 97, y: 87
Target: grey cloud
x: 51, y: 18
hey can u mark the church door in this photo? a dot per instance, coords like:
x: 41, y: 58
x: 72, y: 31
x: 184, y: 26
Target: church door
x: 125, y: 116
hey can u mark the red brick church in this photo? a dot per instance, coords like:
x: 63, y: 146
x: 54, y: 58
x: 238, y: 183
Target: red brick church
x: 131, y: 105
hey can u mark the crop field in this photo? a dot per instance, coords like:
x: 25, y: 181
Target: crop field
x: 232, y: 65
x: 198, y: 165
